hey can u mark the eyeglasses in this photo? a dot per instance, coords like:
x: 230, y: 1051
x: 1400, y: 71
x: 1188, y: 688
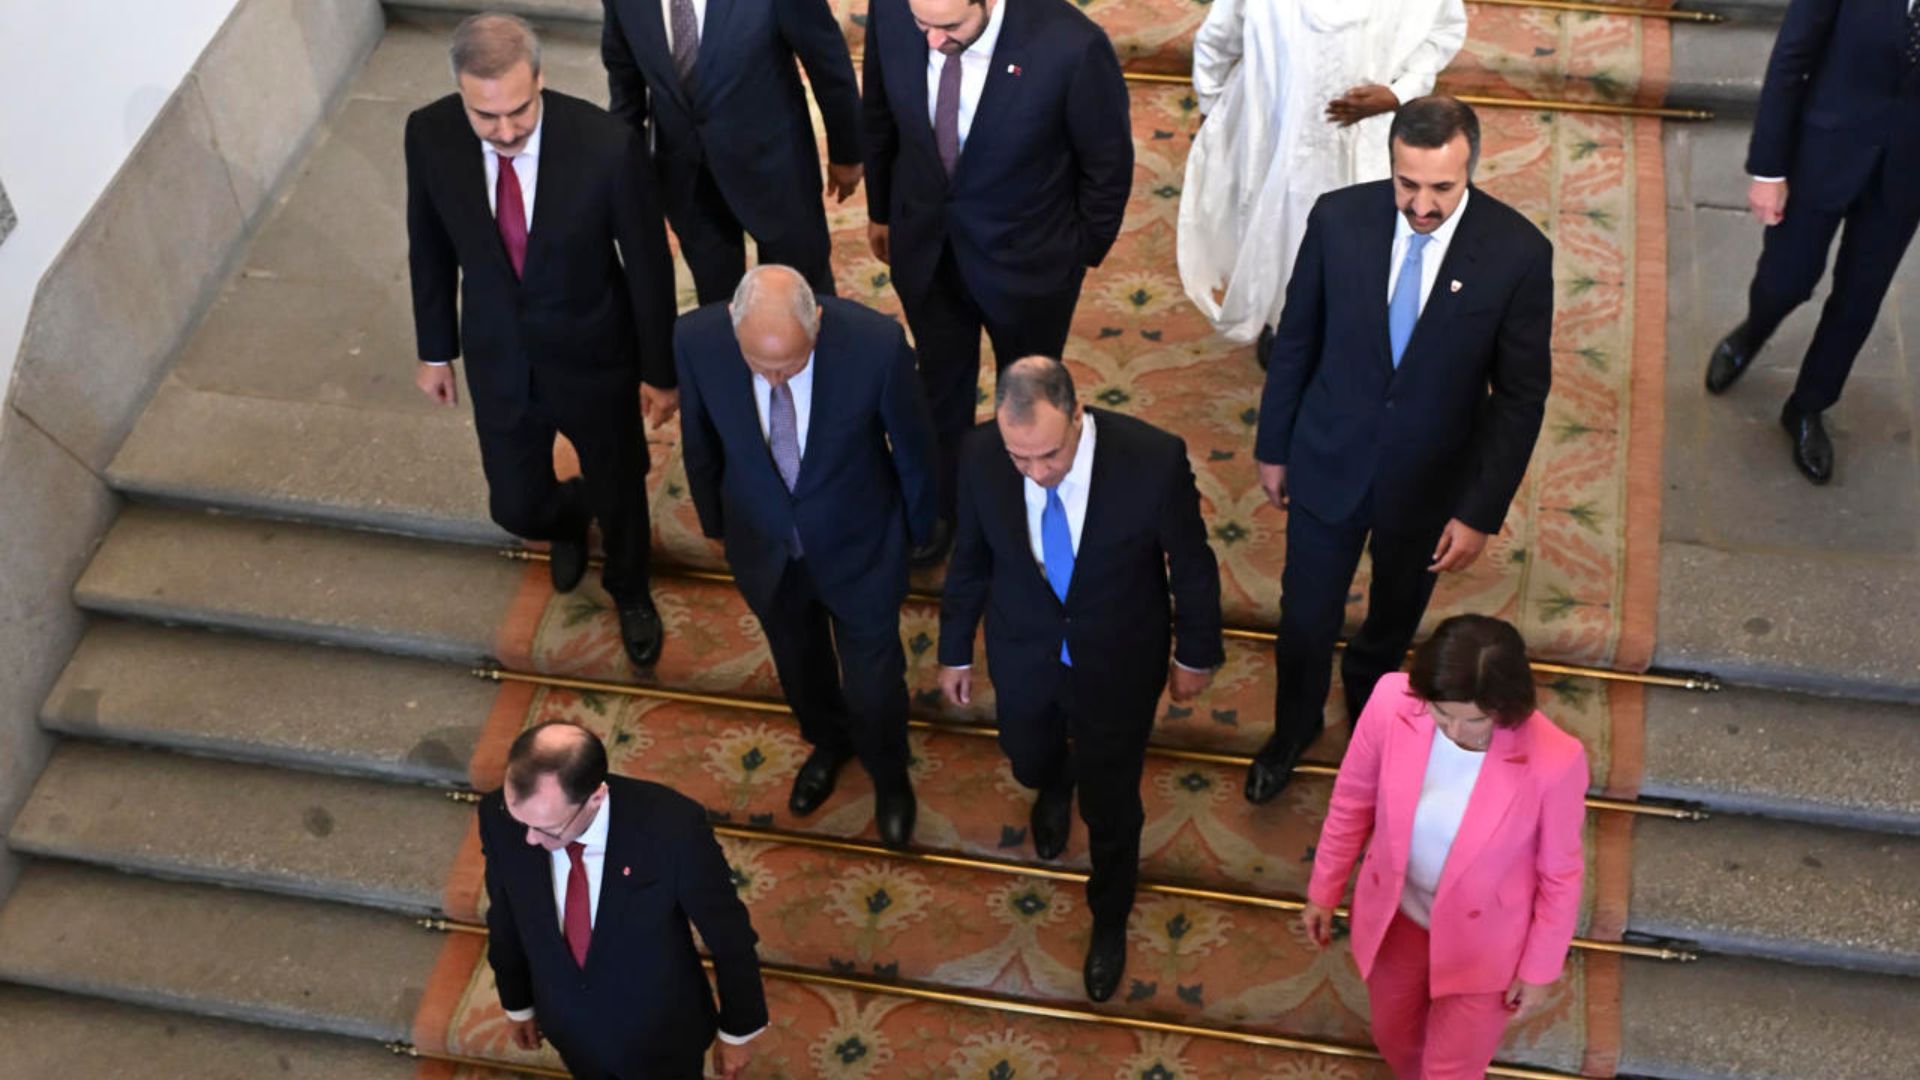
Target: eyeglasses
x: 558, y: 832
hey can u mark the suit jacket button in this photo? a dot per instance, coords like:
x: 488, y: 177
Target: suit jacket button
x: 1376, y: 877
x: 1473, y: 914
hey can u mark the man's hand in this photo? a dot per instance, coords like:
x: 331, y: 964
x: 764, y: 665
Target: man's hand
x: 1367, y: 99
x: 843, y: 179
x: 1459, y: 545
x: 956, y: 684
x: 525, y: 1033
x: 1523, y: 999
x: 437, y: 382
x: 1767, y: 201
x: 1273, y: 481
x: 729, y: 1060
x: 1184, y: 684
x: 657, y: 405
x: 877, y: 240
x: 1318, y: 923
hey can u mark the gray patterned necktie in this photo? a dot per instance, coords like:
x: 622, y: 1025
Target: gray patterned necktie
x: 946, y: 115
x: 686, y: 40
x: 783, y: 438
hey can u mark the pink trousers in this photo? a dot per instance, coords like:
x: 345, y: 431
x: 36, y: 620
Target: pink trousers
x: 1421, y: 1036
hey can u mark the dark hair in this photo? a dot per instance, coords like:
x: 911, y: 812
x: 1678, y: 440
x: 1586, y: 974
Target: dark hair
x: 578, y: 763
x: 1480, y: 659
x: 1431, y: 122
x: 1029, y: 381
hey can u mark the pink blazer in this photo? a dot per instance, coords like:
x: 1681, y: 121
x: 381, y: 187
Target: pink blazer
x: 1510, y: 893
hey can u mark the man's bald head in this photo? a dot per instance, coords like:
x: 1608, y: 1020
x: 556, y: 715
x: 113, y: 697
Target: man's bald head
x: 569, y: 753
x: 776, y: 320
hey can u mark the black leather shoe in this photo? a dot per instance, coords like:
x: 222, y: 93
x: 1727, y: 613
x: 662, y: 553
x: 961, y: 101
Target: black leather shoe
x: 1730, y: 360
x: 1106, y: 962
x: 1263, y: 347
x: 1812, y: 449
x: 1051, y: 819
x: 935, y: 549
x: 642, y: 632
x: 1273, y: 766
x: 815, y: 782
x: 567, y: 559
x: 893, y: 813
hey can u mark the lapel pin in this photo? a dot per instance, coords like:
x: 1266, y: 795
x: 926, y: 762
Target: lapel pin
x: 1454, y: 287
x: 626, y: 871
x: 1013, y: 70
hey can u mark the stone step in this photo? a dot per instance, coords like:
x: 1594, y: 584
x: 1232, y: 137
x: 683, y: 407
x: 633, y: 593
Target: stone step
x: 223, y: 953
x: 326, y: 586
x: 345, y: 839
x: 1807, y: 894
x: 1720, y: 65
x: 253, y: 699
x: 45, y: 1035
x: 1731, y: 1019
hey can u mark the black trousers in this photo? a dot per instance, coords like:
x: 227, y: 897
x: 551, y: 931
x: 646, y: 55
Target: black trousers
x: 846, y: 682
x: 946, y: 323
x: 1321, y: 559
x: 1101, y: 753
x: 1874, y: 234
x: 527, y: 500
x: 714, y: 243
x: 683, y: 1067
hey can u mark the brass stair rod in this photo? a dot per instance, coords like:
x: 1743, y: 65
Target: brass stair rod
x: 957, y: 727
x: 998, y: 1003
x: 1628, y: 10
x: 1676, y: 681
x: 408, y: 1050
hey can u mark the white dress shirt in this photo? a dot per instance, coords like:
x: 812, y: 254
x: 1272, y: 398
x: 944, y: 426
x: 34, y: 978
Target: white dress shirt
x: 1451, y: 773
x: 699, y: 19
x: 1073, y: 494
x: 974, y: 65
x: 802, y: 387
x: 594, y: 858
x: 1430, y: 257
x: 526, y: 165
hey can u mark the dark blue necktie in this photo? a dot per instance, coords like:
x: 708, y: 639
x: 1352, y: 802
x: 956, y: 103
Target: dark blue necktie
x: 1056, y: 548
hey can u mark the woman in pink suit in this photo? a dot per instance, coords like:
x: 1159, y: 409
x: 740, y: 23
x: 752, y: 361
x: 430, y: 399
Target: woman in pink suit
x: 1469, y: 806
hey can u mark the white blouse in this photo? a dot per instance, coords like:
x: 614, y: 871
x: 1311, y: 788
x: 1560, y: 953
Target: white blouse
x: 1451, y: 774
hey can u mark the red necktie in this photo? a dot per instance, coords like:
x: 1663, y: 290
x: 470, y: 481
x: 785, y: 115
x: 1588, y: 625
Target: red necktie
x: 579, y: 914
x: 511, y: 214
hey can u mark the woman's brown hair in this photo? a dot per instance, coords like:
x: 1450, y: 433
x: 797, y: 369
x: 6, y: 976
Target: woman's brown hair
x: 1480, y: 659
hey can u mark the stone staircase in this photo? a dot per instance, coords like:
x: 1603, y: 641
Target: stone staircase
x: 247, y: 810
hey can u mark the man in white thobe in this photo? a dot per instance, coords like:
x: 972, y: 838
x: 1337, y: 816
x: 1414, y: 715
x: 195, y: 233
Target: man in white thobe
x: 1296, y: 96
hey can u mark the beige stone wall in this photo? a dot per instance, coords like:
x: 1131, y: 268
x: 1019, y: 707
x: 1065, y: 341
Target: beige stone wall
x: 121, y: 298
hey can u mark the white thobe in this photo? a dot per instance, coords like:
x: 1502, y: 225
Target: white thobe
x: 1264, y: 71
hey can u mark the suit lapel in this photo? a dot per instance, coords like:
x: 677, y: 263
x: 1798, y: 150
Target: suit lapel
x: 1010, y: 493
x: 713, y: 29
x: 1101, y: 492
x: 467, y: 164
x: 1502, y: 776
x: 623, y: 868
x: 1462, y: 254
x: 536, y: 867
x: 1403, y: 770
x: 554, y: 192
x: 1002, y: 84
x: 819, y: 405
x: 1376, y: 264
x: 920, y: 123
x: 651, y: 50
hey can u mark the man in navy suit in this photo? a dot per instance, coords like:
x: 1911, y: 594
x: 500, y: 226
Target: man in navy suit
x: 1404, y: 393
x: 1081, y: 543
x: 713, y: 83
x: 1839, y: 128
x: 809, y: 452
x: 592, y: 883
x: 999, y: 157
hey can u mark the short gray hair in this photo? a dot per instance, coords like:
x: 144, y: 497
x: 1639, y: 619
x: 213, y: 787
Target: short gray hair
x: 1027, y: 382
x: 489, y: 44
x: 806, y: 309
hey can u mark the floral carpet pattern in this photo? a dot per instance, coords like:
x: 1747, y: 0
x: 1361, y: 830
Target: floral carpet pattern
x: 1574, y: 567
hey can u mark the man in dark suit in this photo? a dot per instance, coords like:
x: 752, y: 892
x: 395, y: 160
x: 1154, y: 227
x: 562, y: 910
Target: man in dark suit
x: 538, y: 256
x: 592, y: 882
x: 1839, y: 127
x: 809, y: 451
x: 999, y: 158
x: 1076, y: 526
x: 713, y: 83
x: 1404, y: 393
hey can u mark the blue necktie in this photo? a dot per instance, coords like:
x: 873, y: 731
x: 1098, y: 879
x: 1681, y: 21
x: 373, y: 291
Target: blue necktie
x: 1056, y: 548
x: 1404, y: 309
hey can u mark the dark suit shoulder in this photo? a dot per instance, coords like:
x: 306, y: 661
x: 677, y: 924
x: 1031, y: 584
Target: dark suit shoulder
x: 1061, y: 20
x: 704, y: 325
x: 1356, y: 200
x: 1510, y: 225
x: 1136, y: 436
x: 664, y: 810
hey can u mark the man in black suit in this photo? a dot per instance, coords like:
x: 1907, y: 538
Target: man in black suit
x: 1076, y: 526
x: 560, y: 305
x: 592, y: 882
x: 999, y: 158
x: 809, y: 451
x: 1404, y: 393
x: 713, y: 83
x: 1839, y: 127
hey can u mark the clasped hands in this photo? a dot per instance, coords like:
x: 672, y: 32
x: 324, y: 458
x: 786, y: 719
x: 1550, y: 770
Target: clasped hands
x: 1460, y: 543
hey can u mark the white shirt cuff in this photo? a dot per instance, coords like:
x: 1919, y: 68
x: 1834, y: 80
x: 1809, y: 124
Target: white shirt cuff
x: 1195, y: 670
x: 958, y: 667
x: 741, y: 1040
x: 519, y: 1016
x: 1771, y: 179
x: 437, y: 363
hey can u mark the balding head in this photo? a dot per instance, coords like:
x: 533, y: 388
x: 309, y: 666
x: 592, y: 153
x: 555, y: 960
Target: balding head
x: 1040, y: 420
x: 776, y: 320
x: 556, y: 781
